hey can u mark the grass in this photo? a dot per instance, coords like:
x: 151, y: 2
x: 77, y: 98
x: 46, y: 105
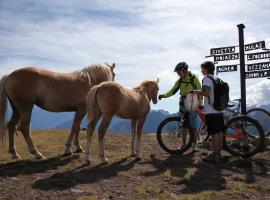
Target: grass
x: 157, y: 176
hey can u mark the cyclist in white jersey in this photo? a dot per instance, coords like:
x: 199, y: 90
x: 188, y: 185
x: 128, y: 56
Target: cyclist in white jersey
x: 214, y: 119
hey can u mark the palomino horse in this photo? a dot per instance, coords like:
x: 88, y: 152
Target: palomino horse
x: 109, y: 99
x: 52, y: 91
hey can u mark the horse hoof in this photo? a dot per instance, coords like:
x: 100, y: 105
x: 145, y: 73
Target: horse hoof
x: 88, y: 161
x: 104, y: 161
x: 137, y: 158
x: 16, y: 157
x: 67, y: 153
x: 40, y: 157
x: 79, y: 150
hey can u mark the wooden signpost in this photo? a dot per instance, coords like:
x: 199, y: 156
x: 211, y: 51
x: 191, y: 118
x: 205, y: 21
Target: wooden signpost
x: 254, y: 70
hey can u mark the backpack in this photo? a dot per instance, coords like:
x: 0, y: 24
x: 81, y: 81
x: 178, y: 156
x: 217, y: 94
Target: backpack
x: 221, y: 94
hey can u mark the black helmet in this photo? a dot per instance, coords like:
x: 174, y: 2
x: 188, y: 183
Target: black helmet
x: 181, y: 66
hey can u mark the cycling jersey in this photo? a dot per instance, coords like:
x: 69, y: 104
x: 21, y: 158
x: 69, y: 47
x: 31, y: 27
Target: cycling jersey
x: 187, y: 84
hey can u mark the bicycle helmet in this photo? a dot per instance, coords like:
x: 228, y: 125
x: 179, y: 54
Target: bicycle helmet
x: 181, y: 66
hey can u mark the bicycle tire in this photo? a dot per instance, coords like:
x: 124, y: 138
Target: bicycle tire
x: 203, y: 134
x: 267, y: 132
x: 230, y: 145
x: 162, y: 133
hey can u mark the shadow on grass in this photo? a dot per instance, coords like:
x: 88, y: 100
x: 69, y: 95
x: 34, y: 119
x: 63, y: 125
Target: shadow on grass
x: 198, y: 176
x: 83, y: 175
x: 176, y: 164
x: 194, y: 176
x: 28, y: 167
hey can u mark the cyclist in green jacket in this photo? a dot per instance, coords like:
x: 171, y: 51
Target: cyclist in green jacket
x: 186, y: 83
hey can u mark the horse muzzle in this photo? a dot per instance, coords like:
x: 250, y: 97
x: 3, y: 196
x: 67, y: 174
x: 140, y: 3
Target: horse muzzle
x: 154, y: 101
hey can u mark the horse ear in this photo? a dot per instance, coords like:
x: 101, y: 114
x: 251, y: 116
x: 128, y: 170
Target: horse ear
x: 113, y: 66
x: 157, y: 80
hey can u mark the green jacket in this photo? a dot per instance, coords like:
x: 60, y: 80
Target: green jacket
x: 185, y: 86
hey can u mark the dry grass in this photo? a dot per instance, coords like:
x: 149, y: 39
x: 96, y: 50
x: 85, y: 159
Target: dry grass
x: 157, y: 176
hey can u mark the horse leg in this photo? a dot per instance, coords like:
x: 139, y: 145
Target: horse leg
x: 11, y: 130
x: 139, y: 133
x: 75, y: 130
x: 133, y: 132
x: 90, y: 130
x: 101, y: 133
x: 25, y: 129
x: 79, y: 118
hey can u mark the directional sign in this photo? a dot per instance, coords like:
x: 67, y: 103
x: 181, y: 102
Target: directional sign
x: 226, y: 68
x: 258, y: 66
x: 257, y: 74
x: 233, y: 56
x: 255, y: 45
x: 257, y: 56
x: 222, y: 50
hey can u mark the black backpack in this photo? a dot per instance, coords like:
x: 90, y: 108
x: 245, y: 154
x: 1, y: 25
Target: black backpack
x: 221, y: 94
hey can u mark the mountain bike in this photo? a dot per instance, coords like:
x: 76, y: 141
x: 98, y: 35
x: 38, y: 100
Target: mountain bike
x: 244, y: 136
x: 255, y: 113
x: 231, y: 111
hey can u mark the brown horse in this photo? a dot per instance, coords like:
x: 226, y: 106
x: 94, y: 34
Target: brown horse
x: 109, y: 99
x: 52, y: 91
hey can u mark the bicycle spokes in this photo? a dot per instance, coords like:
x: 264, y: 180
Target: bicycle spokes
x: 243, y: 137
x: 172, y: 137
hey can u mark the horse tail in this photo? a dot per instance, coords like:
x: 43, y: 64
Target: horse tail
x: 3, y: 110
x: 92, y: 107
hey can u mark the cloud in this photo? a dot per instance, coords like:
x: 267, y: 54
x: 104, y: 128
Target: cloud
x: 259, y: 93
x: 146, y: 39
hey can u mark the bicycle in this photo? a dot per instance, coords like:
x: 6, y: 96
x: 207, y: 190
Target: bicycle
x: 230, y: 112
x: 253, y: 112
x: 244, y: 137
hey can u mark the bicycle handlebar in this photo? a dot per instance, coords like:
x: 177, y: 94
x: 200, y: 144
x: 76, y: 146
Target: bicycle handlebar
x: 239, y: 100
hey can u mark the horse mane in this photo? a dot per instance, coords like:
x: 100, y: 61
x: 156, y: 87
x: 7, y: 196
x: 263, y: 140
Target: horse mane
x: 140, y: 88
x: 95, y: 73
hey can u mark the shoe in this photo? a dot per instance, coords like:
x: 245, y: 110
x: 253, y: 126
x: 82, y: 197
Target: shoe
x: 195, y: 147
x: 180, y: 146
x: 213, y: 158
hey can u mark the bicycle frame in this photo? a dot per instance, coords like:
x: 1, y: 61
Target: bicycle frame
x: 238, y: 132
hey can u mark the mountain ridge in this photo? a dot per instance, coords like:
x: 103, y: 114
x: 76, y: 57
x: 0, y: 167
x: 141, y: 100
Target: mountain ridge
x: 42, y: 119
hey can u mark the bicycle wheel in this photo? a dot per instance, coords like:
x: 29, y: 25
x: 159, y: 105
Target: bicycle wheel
x: 244, y: 136
x: 203, y: 134
x: 261, y: 115
x: 170, y: 136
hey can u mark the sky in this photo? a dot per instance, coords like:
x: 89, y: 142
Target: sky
x: 146, y: 39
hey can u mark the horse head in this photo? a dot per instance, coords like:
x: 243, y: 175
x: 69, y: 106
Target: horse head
x: 151, y: 89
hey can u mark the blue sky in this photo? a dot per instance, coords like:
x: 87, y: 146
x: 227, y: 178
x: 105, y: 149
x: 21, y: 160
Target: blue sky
x: 145, y: 39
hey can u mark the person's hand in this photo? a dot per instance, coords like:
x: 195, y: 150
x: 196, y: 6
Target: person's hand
x: 161, y: 96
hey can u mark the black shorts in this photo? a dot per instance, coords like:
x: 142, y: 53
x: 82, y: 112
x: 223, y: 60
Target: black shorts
x: 215, y: 123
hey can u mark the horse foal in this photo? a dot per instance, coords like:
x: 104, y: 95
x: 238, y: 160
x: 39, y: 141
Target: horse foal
x: 111, y: 99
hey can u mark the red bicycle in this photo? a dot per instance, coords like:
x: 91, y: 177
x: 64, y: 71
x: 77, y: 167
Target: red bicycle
x: 244, y: 136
